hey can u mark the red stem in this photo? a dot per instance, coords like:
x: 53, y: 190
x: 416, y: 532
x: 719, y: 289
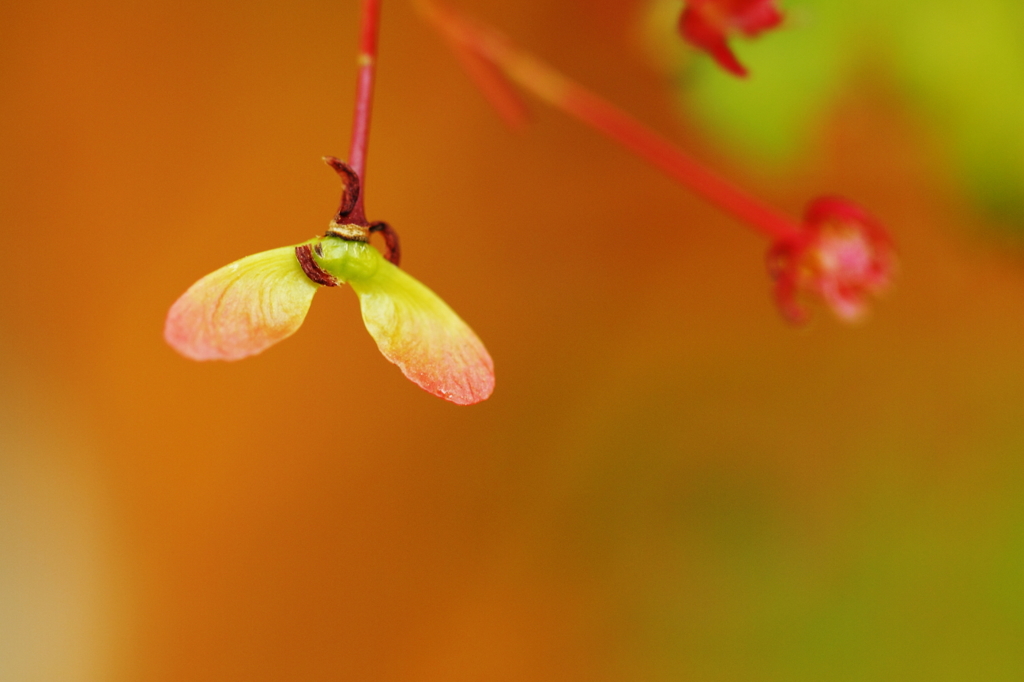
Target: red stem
x: 367, y: 61
x: 662, y: 154
x: 560, y: 92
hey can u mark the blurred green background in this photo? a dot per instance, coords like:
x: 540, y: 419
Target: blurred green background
x: 957, y: 67
x: 669, y: 482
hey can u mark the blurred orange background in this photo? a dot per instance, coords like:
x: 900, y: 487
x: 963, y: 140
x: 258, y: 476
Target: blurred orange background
x: 669, y: 482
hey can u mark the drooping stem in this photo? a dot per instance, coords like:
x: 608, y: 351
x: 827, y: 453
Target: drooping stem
x: 560, y: 92
x: 367, y: 63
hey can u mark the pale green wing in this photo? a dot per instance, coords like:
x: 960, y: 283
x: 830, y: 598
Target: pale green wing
x: 241, y: 309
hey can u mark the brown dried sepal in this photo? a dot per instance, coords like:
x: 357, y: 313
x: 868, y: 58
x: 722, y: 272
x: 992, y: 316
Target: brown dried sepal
x: 349, y: 185
x: 394, y: 252
x: 314, y: 272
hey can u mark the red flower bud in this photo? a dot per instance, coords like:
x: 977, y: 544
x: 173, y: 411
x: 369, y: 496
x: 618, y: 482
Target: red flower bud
x: 706, y: 24
x: 843, y: 255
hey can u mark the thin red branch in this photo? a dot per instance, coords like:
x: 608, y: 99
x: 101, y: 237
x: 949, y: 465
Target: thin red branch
x: 560, y: 92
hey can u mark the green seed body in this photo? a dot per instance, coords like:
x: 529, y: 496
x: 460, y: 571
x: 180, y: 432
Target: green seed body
x: 349, y: 261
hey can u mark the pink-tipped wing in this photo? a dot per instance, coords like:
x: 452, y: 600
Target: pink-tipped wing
x: 241, y: 309
x: 417, y: 331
